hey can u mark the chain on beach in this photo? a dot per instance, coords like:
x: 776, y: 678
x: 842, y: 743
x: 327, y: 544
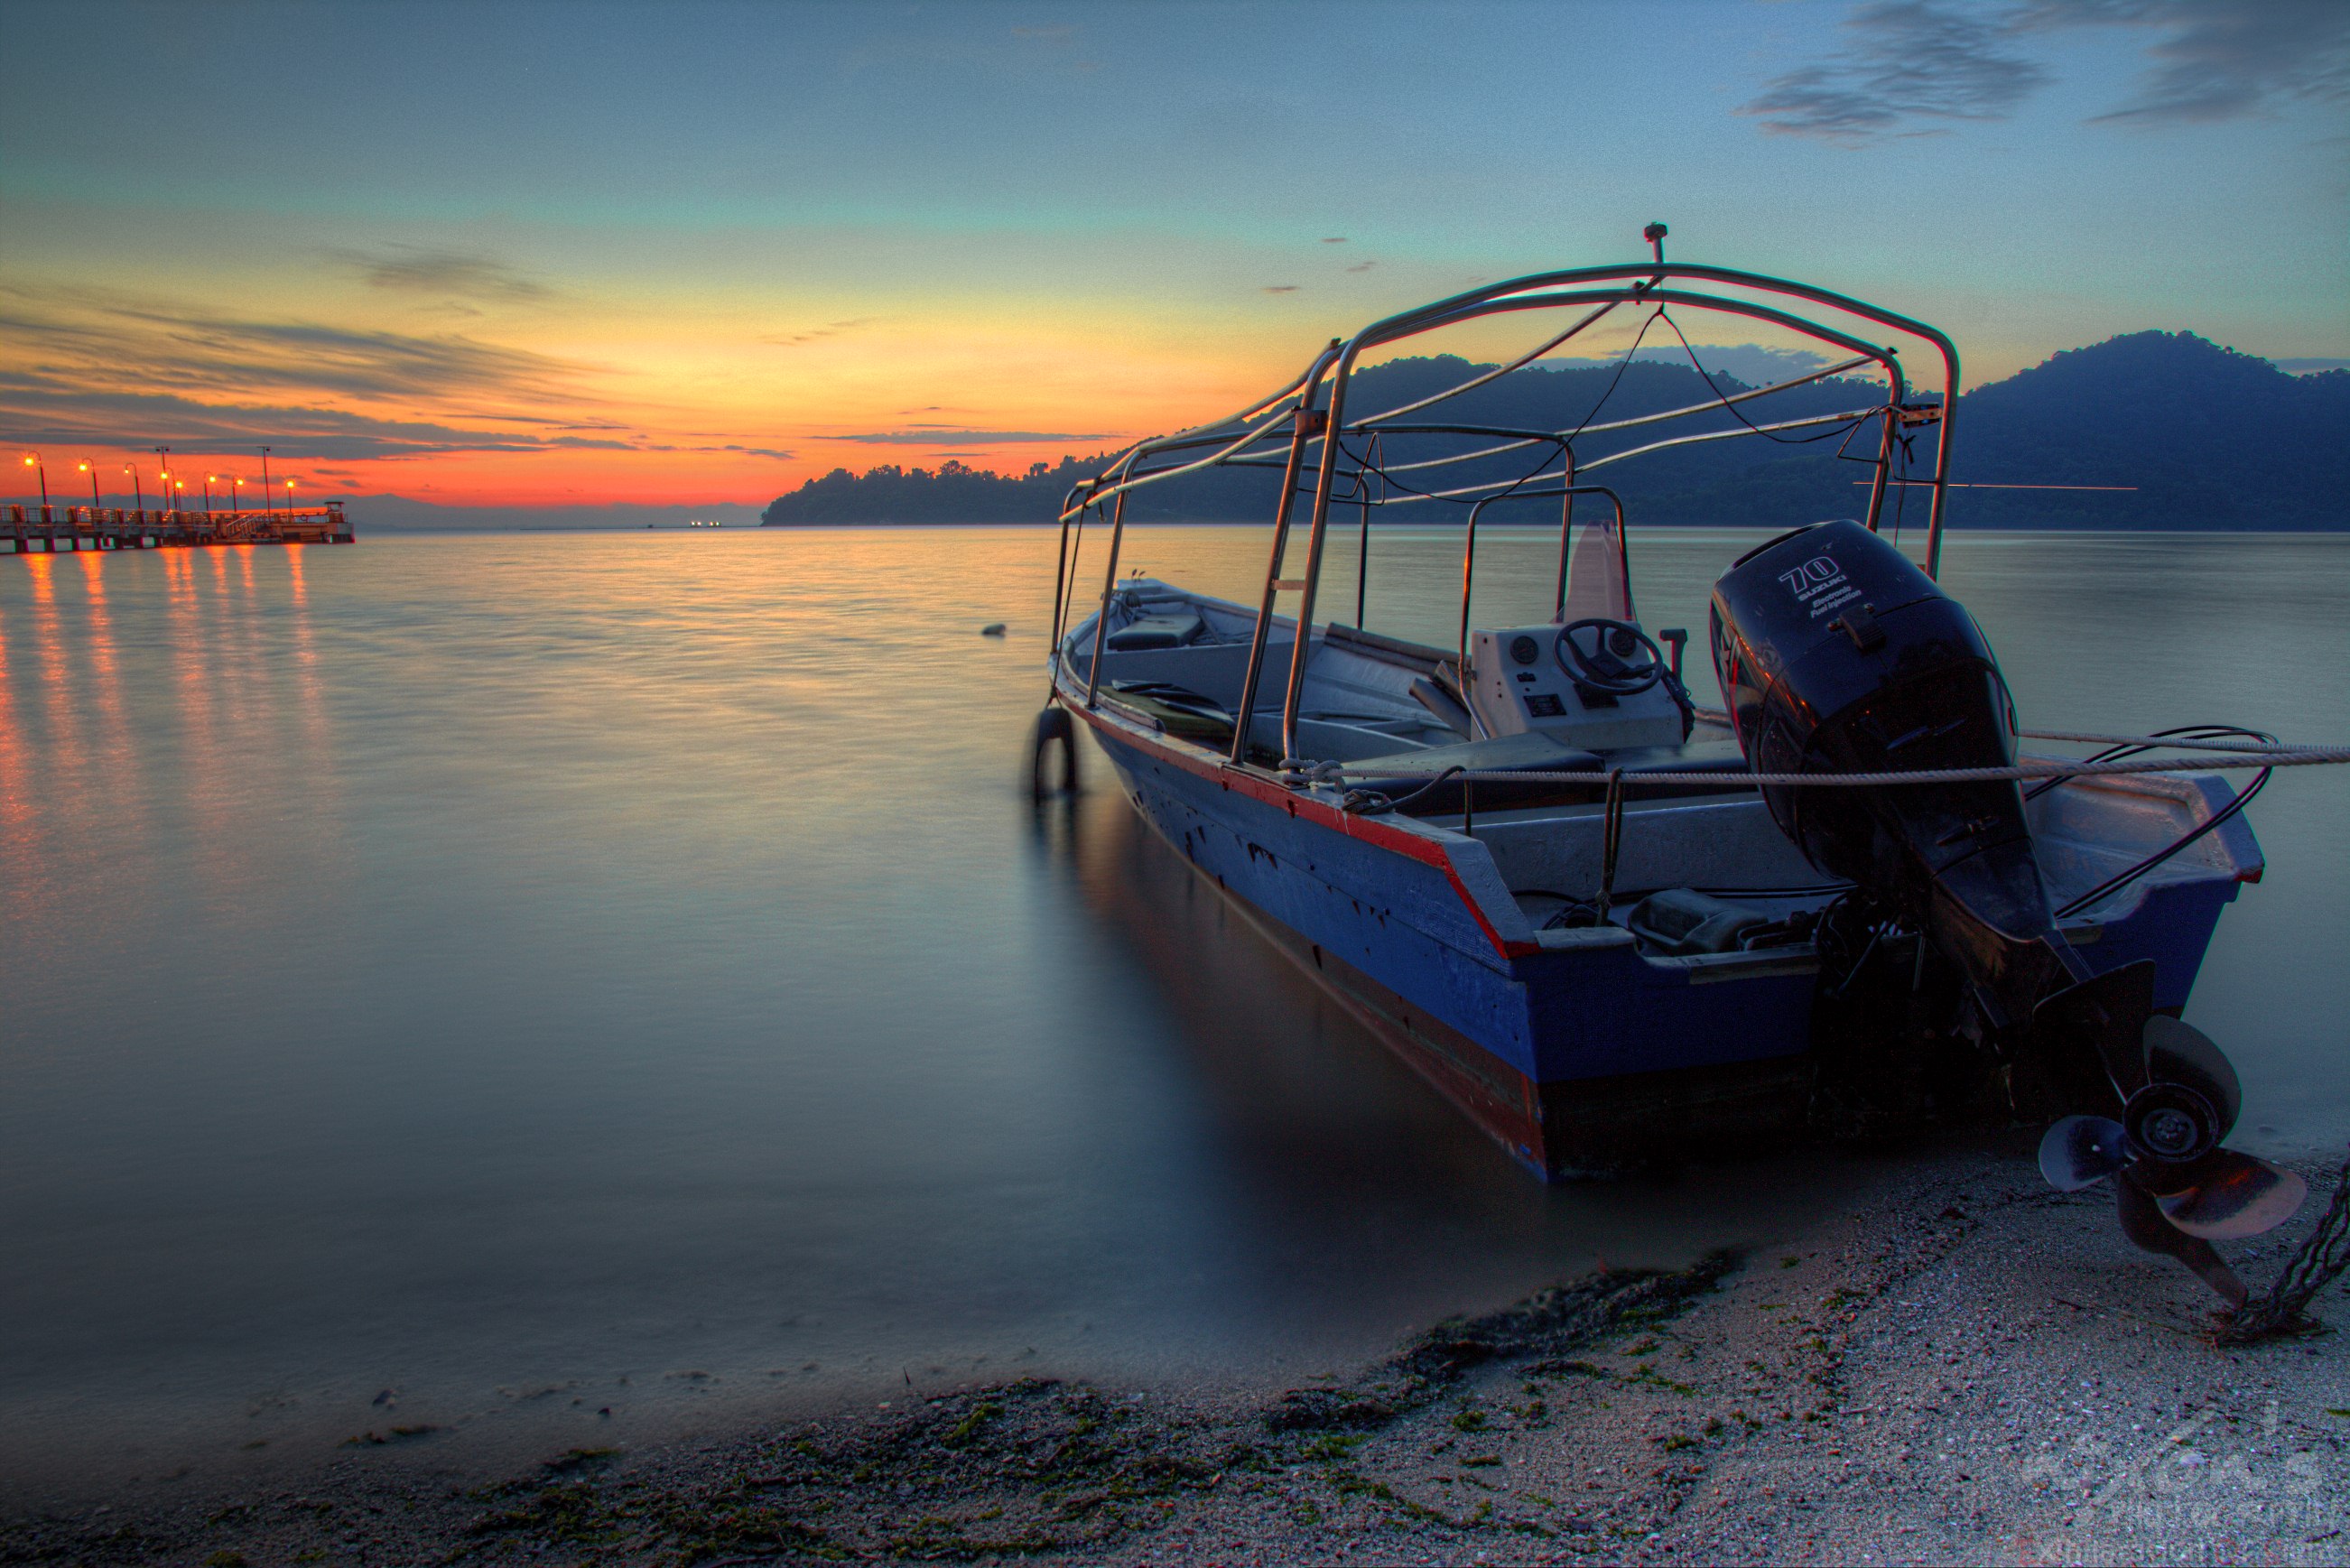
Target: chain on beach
x: 2316, y: 1263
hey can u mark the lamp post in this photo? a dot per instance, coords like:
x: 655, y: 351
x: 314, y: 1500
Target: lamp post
x: 42, y: 469
x: 264, y: 479
x: 137, y: 490
x: 235, y: 498
x: 208, y: 493
x: 164, y: 472
x: 91, y: 469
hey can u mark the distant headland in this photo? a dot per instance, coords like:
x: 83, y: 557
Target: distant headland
x: 2210, y: 439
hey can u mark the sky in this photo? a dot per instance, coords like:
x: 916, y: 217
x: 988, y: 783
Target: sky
x: 503, y: 254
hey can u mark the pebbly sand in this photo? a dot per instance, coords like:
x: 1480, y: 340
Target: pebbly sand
x: 1964, y: 1367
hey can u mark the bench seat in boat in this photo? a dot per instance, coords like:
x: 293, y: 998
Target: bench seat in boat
x: 1535, y: 751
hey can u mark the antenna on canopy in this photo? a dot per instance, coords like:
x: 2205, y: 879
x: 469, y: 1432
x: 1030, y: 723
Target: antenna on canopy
x: 1655, y: 234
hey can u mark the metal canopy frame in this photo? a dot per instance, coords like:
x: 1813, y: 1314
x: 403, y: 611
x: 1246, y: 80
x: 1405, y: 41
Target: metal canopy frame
x: 1281, y: 429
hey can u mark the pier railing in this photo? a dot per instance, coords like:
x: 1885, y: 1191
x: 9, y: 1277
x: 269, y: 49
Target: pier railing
x: 36, y: 529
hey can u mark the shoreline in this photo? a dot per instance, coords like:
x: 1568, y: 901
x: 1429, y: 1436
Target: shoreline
x: 1964, y: 1366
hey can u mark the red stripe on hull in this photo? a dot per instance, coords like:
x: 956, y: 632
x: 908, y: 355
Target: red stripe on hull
x: 1201, y: 764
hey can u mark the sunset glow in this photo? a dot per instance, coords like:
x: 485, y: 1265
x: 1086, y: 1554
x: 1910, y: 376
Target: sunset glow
x: 701, y: 253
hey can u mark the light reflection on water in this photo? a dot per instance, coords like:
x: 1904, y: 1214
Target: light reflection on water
x: 521, y: 971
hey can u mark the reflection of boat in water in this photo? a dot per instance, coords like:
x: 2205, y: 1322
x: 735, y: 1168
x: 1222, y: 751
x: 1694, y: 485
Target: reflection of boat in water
x: 1605, y: 923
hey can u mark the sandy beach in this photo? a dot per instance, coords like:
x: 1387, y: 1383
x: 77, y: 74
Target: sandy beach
x: 1964, y: 1366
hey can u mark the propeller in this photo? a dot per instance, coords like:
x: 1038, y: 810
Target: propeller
x: 2177, y: 1191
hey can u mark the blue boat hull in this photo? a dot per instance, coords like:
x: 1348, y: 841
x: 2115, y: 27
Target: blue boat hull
x: 1569, y: 1057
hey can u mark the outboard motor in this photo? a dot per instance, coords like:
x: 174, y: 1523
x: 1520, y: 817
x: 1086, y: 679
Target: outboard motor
x: 1835, y: 654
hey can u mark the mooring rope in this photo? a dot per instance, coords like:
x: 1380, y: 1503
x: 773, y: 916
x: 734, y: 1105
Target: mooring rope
x: 2255, y: 747
x: 1719, y: 719
x: 2300, y: 757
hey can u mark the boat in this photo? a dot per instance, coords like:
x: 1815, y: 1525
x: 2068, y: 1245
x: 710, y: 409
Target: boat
x: 1610, y: 925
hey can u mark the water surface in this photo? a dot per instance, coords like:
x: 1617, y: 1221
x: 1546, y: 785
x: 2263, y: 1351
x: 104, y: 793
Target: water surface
x: 518, y: 976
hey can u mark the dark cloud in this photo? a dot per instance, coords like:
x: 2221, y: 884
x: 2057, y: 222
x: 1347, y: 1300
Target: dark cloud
x: 413, y: 269
x: 1281, y: 288
x: 2310, y: 366
x: 1910, y: 67
x: 108, y: 338
x: 2220, y: 59
x: 937, y: 437
x: 1906, y: 61
x: 779, y: 455
x: 830, y: 329
x: 39, y: 409
x: 1334, y: 240
x: 1363, y: 266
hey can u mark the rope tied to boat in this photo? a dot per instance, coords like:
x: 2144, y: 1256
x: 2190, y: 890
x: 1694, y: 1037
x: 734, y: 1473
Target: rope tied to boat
x: 2301, y: 757
x: 1370, y: 801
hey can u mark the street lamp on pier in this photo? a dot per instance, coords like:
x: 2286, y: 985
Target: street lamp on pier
x: 34, y: 462
x: 264, y: 479
x: 164, y: 472
x: 235, y: 497
x: 91, y: 469
x: 208, y: 493
x: 137, y: 490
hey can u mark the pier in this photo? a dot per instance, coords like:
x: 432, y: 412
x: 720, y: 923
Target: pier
x: 32, y: 530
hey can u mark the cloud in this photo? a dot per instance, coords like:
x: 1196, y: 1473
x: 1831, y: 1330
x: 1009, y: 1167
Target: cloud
x: 2221, y: 59
x: 40, y: 410
x: 1281, y: 288
x: 413, y: 269
x: 940, y: 437
x: 113, y: 339
x: 1363, y: 266
x: 1909, y: 67
x: 1907, y: 60
x: 1334, y: 240
x: 830, y: 329
x: 2310, y: 366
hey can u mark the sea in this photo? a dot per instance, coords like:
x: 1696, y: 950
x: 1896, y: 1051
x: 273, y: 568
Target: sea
x: 468, y: 997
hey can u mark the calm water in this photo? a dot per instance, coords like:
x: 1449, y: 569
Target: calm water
x: 540, y: 974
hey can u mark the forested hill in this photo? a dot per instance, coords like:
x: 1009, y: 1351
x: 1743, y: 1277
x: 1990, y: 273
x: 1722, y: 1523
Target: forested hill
x: 2209, y: 437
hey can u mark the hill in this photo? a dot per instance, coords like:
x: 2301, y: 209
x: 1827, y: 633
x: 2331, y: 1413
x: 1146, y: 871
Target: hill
x: 2211, y: 437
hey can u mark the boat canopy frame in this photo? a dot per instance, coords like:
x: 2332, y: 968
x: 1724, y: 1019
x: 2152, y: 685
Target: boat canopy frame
x: 1285, y: 429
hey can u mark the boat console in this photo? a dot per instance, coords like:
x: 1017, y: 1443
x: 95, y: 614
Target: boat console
x: 1598, y: 685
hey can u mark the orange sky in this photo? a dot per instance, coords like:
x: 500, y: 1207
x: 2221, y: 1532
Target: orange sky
x: 525, y: 254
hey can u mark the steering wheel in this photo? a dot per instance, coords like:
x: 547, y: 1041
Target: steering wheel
x: 1620, y: 659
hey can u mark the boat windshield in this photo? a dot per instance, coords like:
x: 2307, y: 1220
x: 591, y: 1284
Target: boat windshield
x: 1598, y: 583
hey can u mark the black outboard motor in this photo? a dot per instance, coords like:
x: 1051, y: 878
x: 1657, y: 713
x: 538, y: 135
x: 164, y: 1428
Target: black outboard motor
x: 1835, y: 654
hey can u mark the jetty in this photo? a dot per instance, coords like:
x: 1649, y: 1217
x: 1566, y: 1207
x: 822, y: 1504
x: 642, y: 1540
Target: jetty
x: 31, y: 530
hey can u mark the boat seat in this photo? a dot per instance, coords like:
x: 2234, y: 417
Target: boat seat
x: 1535, y: 751
x: 1723, y: 757
x: 1172, y: 628
x: 1176, y: 710
x: 1531, y: 752
x: 1695, y: 757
